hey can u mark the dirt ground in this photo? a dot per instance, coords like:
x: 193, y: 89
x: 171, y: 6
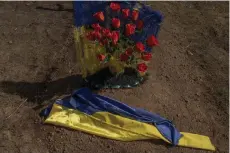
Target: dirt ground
x: 188, y: 82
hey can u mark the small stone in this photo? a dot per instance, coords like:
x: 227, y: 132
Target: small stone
x: 10, y: 42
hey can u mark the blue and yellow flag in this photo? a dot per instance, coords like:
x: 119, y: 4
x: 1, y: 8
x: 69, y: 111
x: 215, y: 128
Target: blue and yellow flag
x: 106, y: 117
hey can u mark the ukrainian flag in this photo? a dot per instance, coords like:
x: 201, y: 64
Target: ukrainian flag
x: 106, y: 117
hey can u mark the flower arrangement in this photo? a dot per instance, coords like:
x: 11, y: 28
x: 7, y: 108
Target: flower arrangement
x: 116, y: 38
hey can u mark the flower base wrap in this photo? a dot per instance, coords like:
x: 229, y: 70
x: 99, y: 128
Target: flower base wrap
x: 132, y: 25
x: 105, y: 79
x: 112, y: 119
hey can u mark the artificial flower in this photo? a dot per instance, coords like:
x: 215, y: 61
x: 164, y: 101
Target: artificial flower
x: 140, y: 47
x: 142, y: 67
x: 106, y: 33
x: 115, y: 6
x: 90, y: 36
x: 97, y: 35
x: 129, y: 29
x: 146, y: 56
x: 115, y: 37
x: 125, y: 13
x: 99, y: 16
x: 135, y: 15
x: 96, y: 26
x: 116, y: 22
x: 152, y: 41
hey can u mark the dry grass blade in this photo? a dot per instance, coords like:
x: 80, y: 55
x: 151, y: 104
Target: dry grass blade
x: 12, y: 113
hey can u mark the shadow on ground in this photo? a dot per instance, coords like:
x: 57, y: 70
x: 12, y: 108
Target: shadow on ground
x: 39, y: 92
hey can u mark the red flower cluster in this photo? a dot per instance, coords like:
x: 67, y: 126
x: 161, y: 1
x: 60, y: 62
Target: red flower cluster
x: 105, y: 36
x: 94, y: 35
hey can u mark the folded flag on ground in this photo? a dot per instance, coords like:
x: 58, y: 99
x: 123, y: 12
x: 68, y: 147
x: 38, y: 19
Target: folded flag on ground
x: 106, y: 117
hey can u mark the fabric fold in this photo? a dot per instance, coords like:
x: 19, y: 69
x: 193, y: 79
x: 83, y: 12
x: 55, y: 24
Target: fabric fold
x: 106, y: 117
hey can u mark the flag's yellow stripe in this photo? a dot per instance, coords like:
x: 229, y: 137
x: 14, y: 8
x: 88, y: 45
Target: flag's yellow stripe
x: 117, y: 127
x: 87, y: 51
x: 196, y: 141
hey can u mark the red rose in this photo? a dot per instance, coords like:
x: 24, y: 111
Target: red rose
x: 124, y: 57
x: 129, y: 29
x: 129, y: 51
x: 152, y: 41
x: 115, y: 6
x: 125, y: 13
x: 99, y: 16
x: 106, y: 33
x: 96, y: 27
x: 116, y: 23
x: 135, y: 15
x: 101, y: 57
x: 140, y: 47
x: 140, y: 24
x: 142, y: 67
x: 115, y: 37
x: 90, y: 36
x: 146, y: 56
x: 96, y: 35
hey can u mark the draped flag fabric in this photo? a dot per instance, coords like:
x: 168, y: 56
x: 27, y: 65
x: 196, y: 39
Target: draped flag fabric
x: 106, y: 117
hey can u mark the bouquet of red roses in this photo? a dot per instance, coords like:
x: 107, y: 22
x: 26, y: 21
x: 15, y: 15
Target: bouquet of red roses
x: 113, y: 32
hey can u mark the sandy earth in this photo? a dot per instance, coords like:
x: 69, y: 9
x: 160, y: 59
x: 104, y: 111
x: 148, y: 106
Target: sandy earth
x: 188, y: 83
